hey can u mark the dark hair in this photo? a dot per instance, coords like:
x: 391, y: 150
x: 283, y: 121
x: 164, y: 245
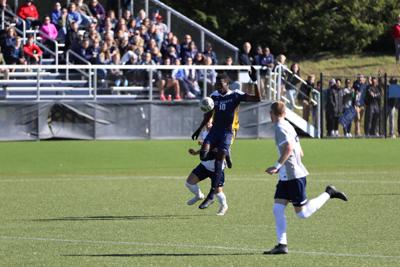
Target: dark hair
x: 223, y: 76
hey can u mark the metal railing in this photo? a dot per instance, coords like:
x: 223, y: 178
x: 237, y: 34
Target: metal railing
x: 203, y: 31
x: 19, y: 19
x: 79, y: 69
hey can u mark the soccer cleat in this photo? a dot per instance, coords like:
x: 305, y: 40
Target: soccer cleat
x: 278, y: 249
x: 206, y: 203
x: 228, y: 162
x: 334, y: 193
x: 195, y: 199
x: 222, y: 210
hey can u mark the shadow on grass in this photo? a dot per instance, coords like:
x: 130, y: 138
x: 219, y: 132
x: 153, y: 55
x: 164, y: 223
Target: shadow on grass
x: 114, y: 218
x: 161, y: 254
x: 381, y: 194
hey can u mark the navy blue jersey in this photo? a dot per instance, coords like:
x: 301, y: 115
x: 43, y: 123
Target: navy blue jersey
x: 226, y: 109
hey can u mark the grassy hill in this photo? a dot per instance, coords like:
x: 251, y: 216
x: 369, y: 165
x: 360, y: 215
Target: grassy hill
x: 350, y: 65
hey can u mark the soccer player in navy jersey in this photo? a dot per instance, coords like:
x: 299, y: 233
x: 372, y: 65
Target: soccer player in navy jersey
x: 225, y: 114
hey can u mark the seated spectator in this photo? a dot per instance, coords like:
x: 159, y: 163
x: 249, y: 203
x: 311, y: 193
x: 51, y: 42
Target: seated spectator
x: 161, y: 27
x: 189, y: 84
x: 84, y: 10
x: 191, y: 52
x: 167, y: 83
x: 116, y: 75
x: 245, y: 57
x: 172, y: 54
x: 14, y: 55
x: 127, y: 15
x: 167, y: 41
x: 3, y: 71
x: 85, y: 51
x: 63, y: 24
x: 208, y: 76
x: 29, y: 13
x: 185, y: 47
x: 140, y: 17
x: 112, y: 18
x: 103, y: 58
x: 97, y: 10
x: 156, y: 55
x: 48, y: 32
x: 154, y: 34
x: 32, y: 52
x: 232, y: 74
x: 74, y: 15
x: 208, y: 52
x: 198, y: 59
x: 56, y: 14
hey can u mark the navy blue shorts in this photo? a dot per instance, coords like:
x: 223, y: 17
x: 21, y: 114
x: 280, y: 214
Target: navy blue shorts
x: 220, y: 138
x: 202, y: 173
x: 292, y: 190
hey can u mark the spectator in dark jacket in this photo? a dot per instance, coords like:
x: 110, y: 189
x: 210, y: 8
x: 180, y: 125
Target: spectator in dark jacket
x: 305, y: 96
x: 97, y: 10
x: 208, y: 52
x: 334, y: 108
x: 372, y: 109
x: 245, y: 57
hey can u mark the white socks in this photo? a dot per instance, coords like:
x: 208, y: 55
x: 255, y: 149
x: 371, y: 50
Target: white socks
x: 280, y: 223
x: 195, y: 189
x: 313, y: 205
x: 221, y: 198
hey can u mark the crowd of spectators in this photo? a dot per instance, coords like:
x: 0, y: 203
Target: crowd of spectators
x: 98, y: 36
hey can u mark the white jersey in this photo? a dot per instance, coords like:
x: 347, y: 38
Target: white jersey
x: 209, y: 164
x: 293, y: 167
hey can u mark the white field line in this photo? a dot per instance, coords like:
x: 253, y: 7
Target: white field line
x: 253, y: 178
x: 142, y: 244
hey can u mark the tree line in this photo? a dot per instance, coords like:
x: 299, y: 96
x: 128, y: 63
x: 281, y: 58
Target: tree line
x: 299, y: 27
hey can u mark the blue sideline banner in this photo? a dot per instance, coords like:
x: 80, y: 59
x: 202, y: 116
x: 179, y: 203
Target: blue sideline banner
x: 347, y: 117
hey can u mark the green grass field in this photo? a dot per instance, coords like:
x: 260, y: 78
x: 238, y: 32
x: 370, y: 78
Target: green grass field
x: 122, y: 203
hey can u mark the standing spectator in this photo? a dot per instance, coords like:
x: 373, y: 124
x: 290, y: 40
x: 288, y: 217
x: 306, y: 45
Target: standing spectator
x: 48, y: 32
x: 97, y: 10
x: 267, y: 60
x: 32, y: 52
x: 393, y: 104
x: 359, y: 87
x: 63, y: 24
x: 315, y: 103
x: 208, y: 52
x: 396, y: 37
x: 161, y: 27
x: 73, y: 38
x: 305, y: 96
x: 348, y: 108
x: 372, y: 108
x: 258, y: 55
x: 334, y: 108
x: 292, y: 82
x: 29, y: 13
x: 245, y: 57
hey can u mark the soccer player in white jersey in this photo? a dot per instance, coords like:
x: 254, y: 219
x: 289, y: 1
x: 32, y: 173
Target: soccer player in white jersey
x: 292, y: 179
x: 206, y: 169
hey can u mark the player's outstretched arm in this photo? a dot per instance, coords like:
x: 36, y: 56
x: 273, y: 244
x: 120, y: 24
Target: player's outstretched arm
x: 206, y: 118
x: 257, y: 96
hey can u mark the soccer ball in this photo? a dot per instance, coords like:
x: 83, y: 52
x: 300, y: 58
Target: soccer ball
x: 206, y: 104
